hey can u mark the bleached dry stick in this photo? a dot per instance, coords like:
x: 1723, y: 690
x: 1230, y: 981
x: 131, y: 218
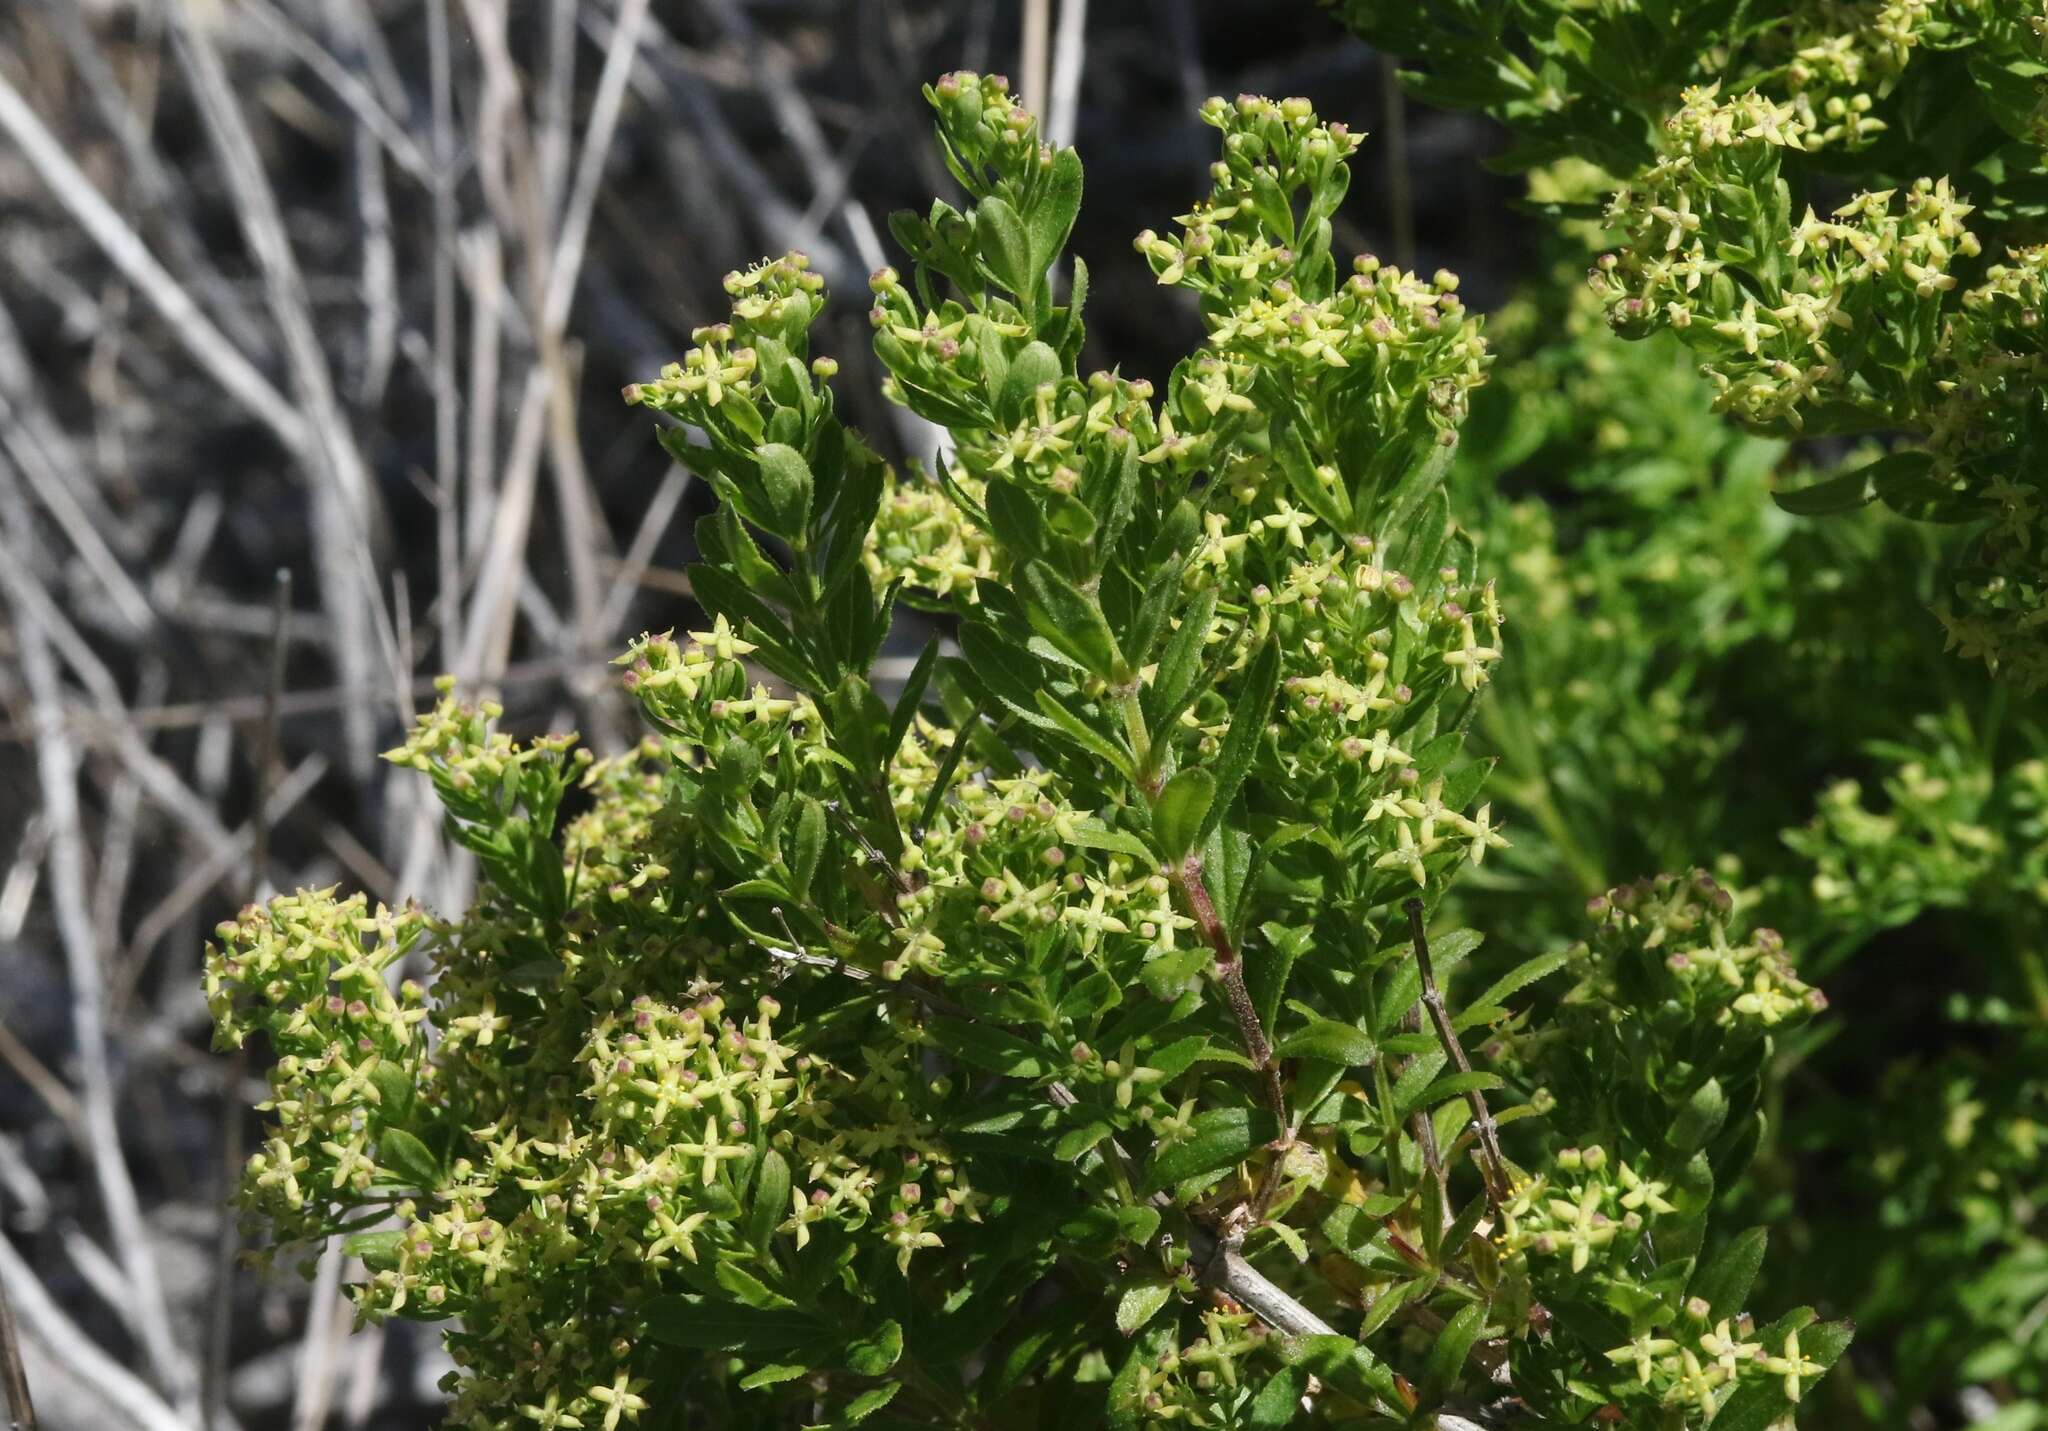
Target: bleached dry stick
x: 222, y: 361
x: 344, y: 505
x: 57, y: 775
x: 119, y: 1387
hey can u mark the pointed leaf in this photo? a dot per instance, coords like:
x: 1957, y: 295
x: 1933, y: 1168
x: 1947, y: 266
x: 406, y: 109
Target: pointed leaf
x: 1182, y: 810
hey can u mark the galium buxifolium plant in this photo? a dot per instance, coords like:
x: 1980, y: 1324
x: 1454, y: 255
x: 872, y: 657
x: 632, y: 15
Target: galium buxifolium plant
x: 1065, y: 1037
x: 1837, y: 207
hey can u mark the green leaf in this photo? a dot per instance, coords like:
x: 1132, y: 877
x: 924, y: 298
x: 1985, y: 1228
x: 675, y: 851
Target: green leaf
x: 407, y: 1156
x: 1005, y: 247
x: 1178, y: 676
x: 771, y: 1198
x: 1838, y: 494
x: 869, y: 1402
x: 911, y: 697
x: 1345, y: 1365
x: 1053, y: 210
x: 1446, y: 1360
x: 1069, y: 620
x: 990, y: 1048
x: 748, y: 1289
x: 773, y: 1374
x: 1453, y: 1085
x: 1140, y: 1303
x: 1331, y: 1041
x: 1182, y: 810
x: 809, y: 849
x: 1519, y: 977
x: 1094, y: 835
x: 1278, y: 1403
x: 1247, y: 725
x: 1761, y: 1402
x: 1574, y: 39
x: 1219, y: 1138
x: 378, y: 1250
x: 875, y: 1353
x: 1699, y: 1118
x: 787, y: 481
x: 1724, y: 1283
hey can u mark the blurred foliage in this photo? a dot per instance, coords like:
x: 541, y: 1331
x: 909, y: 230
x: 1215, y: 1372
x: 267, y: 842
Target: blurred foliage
x: 1690, y: 668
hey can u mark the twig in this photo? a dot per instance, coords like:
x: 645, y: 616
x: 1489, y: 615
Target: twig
x: 1070, y: 55
x: 317, y: 1351
x: 1492, y: 1167
x: 214, y: 1371
x: 46, y: 1321
x: 1032, y: 51
x: 1187, y: 878
x: 57, y: 772
x: 447, y: 506
x: 344, y: 505
x: 350, y: 90
x: 160, y: 190
x: 628, y: 572
x: 21, y: 1408
x: 191, y: 327
x: 92, y: 729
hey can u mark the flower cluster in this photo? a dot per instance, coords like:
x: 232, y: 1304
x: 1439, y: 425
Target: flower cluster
x: 1683, y: 924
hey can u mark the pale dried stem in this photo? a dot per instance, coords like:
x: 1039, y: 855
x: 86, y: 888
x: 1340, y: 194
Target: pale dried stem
x: 57, y: 774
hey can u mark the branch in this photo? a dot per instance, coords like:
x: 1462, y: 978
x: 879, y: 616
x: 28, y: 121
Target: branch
x: 1491, y: 1164
x: 1187, y: 878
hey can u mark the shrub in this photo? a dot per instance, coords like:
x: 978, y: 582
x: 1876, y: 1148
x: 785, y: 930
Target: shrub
x: 1065, y: 1037
x: 1836, y: 207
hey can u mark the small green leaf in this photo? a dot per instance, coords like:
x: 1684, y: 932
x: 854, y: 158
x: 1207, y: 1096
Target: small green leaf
x: 1069, y: 620
x: 1182, y: 809
x: 1699, y: 1118
x: 1179, y: 673
x: 1519, y: 977
x: 378, y: 1250
x: 773, y: 1374
x: 1446, y: 1360
x: 1054, y: 208
x: 1331, y: 1041
x: 809, y: 850
x: 869, y: 1402
x: 1838, y: 494
x: 1247, y: 725
x: 875, y: 1353
x: 407, y: 1156
x: 771, y: 1198
x: 749, y: 1289
x: 1005, y: 247
x: 787, y: 481
x: 1454, y: 1085
x: 1140, y: 1303
x: 1278, y: 1403
x: 1219, y: 1138
x: 1724, y: 1283
x: 990, y: 1048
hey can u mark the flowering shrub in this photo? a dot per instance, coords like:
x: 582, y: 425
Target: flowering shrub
x: 1691, y: 668
x: 1836, y: 208
x: 1066, y: 1036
